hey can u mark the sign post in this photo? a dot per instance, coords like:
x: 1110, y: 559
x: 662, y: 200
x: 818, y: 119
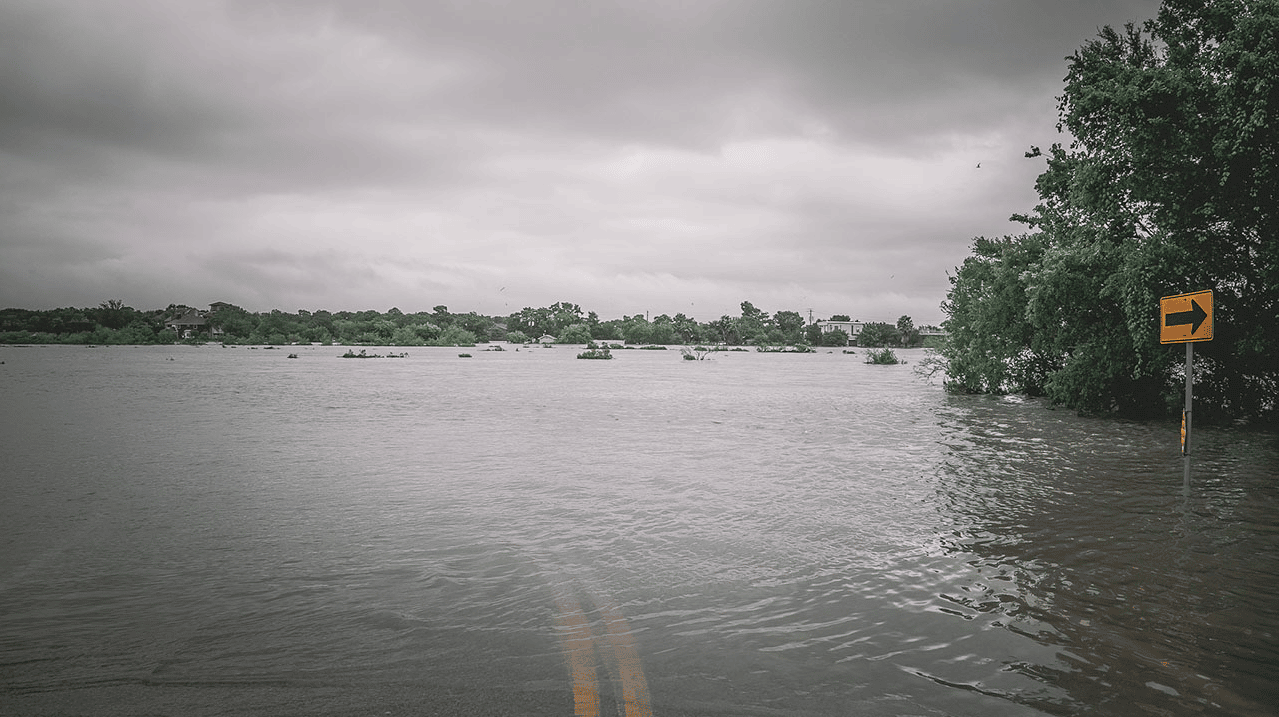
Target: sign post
x: 1186, y: 319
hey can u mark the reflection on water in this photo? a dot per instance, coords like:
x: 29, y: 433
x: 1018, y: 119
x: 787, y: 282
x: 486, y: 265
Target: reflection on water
x: 1079, y: 538
x: 230, y: 532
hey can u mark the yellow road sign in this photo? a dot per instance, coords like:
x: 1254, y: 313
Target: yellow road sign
x: 1185, y: 317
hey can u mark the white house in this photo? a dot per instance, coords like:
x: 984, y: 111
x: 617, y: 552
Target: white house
x: 852, y: 328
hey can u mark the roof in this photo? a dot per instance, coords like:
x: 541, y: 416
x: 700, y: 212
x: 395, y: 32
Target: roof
x: 190, y: 317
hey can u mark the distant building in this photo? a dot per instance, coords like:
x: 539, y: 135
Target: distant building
x: 852, y: 328
x: 546, y: 339
x: 186, y: 323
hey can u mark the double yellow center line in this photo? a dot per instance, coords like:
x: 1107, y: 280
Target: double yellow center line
x: 581, y: 648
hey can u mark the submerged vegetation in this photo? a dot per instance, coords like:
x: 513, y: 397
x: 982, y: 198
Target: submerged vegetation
x: 595, y: 351
x: 883, y: 357
x: 800, y: 349
x: 363, y: 354
x: 695, y: 353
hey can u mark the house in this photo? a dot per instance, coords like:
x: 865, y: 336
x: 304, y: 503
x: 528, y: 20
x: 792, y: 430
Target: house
x: 852, y: 328
x: 186, y: 323
x: 546, y: 339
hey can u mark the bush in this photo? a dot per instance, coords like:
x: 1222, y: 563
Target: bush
x: 595, y: 351
x: 884, y: 357
x: 698, y: 353
x: 835, y: 338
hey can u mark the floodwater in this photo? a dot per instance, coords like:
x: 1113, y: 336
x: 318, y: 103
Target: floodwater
x: 226, y: 531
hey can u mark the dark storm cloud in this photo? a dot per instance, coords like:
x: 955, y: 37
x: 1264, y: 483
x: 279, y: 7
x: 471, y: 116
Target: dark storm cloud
x: 608, y: 153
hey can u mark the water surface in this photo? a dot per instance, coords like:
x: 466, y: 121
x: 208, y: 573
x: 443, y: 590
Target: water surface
x: 205, y: 530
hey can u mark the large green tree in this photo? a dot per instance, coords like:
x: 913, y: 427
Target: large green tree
x: 1168, y: 184
x: 878, y: 333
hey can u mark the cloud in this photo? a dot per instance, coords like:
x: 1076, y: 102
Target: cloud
x: 365, y: 155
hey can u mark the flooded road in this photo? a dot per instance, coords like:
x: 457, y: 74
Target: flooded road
x: 520, y: 532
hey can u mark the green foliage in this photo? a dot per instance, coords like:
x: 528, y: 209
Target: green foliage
x: 1170, y: 185
x: 695, y: 353
x: 797, y: 349
x: 595, y: 351
x: 663, y: 331
x: 989, y: 350
x: 406, y: 336
x: 878, y: 333
x: 636, y: 329
x: 813, y: 334
x: 549, y: 320
x: 907, y: 334
x: 883, y: 357
x: 575, y: 334
x: 836, y: 337
x: 438, y: 327
x: 454, y: 336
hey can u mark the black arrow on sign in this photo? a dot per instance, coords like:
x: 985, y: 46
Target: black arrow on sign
x: 1195, y: 317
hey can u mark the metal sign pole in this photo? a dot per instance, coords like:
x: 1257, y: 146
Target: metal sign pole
x: 1186, y: 318
x: 1185, y: 416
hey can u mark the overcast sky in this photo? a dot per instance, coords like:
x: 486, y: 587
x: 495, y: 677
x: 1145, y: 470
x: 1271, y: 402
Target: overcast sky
x: 649, y: 156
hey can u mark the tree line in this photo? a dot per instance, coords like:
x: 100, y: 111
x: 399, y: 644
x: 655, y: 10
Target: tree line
x: 1170, y: 184
x: 114, y: 323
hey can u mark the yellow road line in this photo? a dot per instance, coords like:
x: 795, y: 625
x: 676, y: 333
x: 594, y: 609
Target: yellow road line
x: 575, y: 637
x: 631, y: 672
x: 578, y: 643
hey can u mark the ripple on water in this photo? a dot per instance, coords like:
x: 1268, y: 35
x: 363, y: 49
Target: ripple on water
x: 783, y: 534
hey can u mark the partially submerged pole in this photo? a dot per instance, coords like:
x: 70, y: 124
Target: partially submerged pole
x: 1185, y: 417
x: 1186, y: 318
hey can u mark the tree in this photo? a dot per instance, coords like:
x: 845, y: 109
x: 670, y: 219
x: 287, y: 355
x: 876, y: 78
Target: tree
x: 610, y: 330
x: 113, y: 314
x: 686, y: 329
x: 753, y: 324
x: 791, y: 324
x: 454, y: 336
x: 840, y: 317
x: 907, y: 335
x: 636, y: 329
x: 877, y: 333
x: 406, y: 336
x: 663, y: 331
x: 835, y: 337
x: 562, y: 315
x: 990, y: 336
x: 813, y: 334
x: 724, y: 330
x: 1169, y: 185
x: 575, y: 334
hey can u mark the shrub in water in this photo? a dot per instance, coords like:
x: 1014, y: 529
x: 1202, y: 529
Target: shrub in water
x: 595, y: 351
x: 882, y: 356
